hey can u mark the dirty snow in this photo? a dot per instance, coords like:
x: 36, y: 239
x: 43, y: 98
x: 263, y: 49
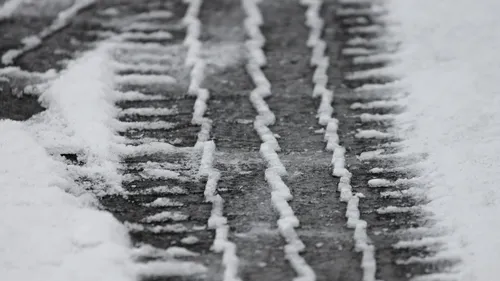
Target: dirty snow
x: 450, y: 63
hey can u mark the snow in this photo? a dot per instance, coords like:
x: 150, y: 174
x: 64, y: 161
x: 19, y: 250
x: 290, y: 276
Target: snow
x: 45, y: 232
x: 145, y: 125
x: 81, y: 115
x: 142, y: 67
x: 422, y: 242
x: 372, y: 134
x: 164, y: 202
x: 357, y: 51
x: 216, y: 221
x: 190, y: 240
x: 376, y: 104
x: 379, y: 183
x: 51, y: 228
x: 325, y: 111
x: 62, y: 20
x: 155, y: 15
x: 146, y: 79
x: 367, y: 117
x: 170, y: 268
x: 171, y: 252
x: 396, y: 209
x: 8, y: 8
x: 164, y: 228
x: 161, y: 190
x: 72, y: 239
x: 149, y: 111
x: 280, y: 194
x: 157, y: 35
x: 144, y: 26
x: 151, y: 148
x: 160, y: 174
x: 166, y: 216
x: 137, y: 96
x: 155, y: 165
x: 449, y: 61
x: 375, y: 59
x: 139, y: 47
x: 369, y: 155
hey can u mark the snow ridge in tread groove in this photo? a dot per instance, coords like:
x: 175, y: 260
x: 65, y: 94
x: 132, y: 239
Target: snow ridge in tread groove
x: 325, y: 111
x: 280, y: 194
x: 217, y: 220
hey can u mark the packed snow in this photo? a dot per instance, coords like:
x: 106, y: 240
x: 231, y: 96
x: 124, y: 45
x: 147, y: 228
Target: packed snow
x: 450, y: 66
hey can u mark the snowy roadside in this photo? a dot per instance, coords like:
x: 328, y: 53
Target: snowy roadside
x: 50, y: 228
x: 450, y: 66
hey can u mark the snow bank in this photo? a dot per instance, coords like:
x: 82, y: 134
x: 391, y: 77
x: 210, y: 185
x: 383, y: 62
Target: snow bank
x: 450, y: 62
x: 81, y: 116
x: 46, y: 233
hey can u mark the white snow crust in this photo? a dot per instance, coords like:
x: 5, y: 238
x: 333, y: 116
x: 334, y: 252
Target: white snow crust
x: 450, y: 66
x: 47, y: 233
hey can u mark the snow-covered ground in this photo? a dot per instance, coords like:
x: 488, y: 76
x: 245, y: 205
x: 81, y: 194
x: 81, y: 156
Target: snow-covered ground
x: 450, y: 65
x: 50, y: 228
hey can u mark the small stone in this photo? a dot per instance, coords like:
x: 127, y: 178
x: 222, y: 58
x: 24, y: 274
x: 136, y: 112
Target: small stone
x: 319, y: 244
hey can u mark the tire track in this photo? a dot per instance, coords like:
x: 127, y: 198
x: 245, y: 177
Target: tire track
x: 405, y: 246
x: 325, y: 111
x: 168, y: 176
x: 275, y: 172
x: 217, y: 221
x: 242, y: 183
